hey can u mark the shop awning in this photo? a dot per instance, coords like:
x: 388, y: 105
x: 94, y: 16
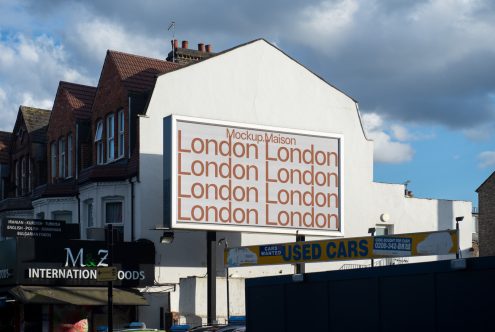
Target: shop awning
x: 75, y: 295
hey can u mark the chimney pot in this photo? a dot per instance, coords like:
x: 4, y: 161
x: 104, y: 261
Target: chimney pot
x: 201, y: 47
x: 208, y: 48
x: 185, y: 44
x: 175, y: 43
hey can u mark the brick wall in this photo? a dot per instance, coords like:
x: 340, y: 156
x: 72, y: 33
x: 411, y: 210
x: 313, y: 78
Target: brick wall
x: 486, y: 221
x: 111, y: 97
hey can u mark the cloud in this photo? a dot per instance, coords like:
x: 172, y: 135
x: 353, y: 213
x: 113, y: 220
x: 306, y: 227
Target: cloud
x: 30, y: 69
x: 386, y: 150
x: 487, y: 159
x: 418, y: 62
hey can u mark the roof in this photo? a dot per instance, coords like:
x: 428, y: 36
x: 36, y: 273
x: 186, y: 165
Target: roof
x: 138, y: 73
x: 80, y: 98
x: 5, y: 138
x: 492, y: 176
x: 36, y: 120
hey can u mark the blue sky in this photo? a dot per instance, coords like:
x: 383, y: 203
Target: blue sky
x: 422, y: 71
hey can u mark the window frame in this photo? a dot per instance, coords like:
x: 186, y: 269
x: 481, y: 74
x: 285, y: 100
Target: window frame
x: 110, y: 137
x: 69, y: 156
x: 121, y: 133
x: 62, y: 170
x: 99, y: 143
x: 53, y: 159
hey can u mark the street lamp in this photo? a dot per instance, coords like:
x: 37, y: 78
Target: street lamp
x: 226, y: 246
x: 372, y: 231
x: 457, y: 220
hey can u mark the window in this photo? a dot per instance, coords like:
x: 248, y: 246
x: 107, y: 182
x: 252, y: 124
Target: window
x: 110, y: 137
x: 23, y: 176
x: 62, y: 215
x: 69, y: 156
x: 121, y: 133
x: 61, y: 158
x: 17, y: 191
x: 29, y: 174
x: 40, y: 215
x: 53, y: 166
x: 88, y: 210
x: 113, y: 214
x: 99, y: 142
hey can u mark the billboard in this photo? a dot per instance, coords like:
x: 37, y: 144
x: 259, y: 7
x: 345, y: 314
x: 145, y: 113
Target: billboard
x: 397, y: 245
x: 237, y: 177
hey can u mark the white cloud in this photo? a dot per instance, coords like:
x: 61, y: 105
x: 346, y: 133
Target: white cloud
x: 30, y: 69
x: 326, y: 21
x: 400, y: 133
x: 95, y: 36
x: 386, y: 150
x: 487, y: 159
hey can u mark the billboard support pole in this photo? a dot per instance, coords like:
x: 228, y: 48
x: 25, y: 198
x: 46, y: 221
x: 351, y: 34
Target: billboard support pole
x: 211, y: 270
x: 458, y: 251
x: 300, y: 267
x: 110, y: 283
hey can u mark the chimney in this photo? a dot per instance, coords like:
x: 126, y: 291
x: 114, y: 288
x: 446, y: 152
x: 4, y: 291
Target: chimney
x: 201, y: 47
x: 175, y: 43
x: 185, y: 44
x: 208, y: 48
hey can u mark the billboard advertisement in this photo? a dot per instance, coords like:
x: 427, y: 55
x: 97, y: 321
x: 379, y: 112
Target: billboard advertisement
x: 237, y: 177
x: 397, y: 245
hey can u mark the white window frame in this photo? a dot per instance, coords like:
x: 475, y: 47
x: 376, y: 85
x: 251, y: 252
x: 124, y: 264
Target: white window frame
x: 121, y: 127
x: 17, y: 191
x: 116, y: 225
x: 110, y: 137
x: 53, y: 165
x: 89, y: 213
x: 29, y: 174
x: 69, y: 156
x: 99, y: 143
x: 61, y: 158
x: 23, y: 176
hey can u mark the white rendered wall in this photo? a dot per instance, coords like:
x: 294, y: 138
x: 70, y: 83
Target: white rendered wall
x: 257, y: 84
x: 54, y: 204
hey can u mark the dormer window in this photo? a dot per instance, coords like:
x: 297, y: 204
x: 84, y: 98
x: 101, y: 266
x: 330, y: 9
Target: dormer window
x: 99, y: 142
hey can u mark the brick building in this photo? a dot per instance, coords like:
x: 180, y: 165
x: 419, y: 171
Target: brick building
x: 486, y: 216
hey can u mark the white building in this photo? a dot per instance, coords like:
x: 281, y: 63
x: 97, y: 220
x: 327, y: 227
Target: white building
x: 257, y: 84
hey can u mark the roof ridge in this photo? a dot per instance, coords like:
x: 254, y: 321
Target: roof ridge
x: 141, y: 56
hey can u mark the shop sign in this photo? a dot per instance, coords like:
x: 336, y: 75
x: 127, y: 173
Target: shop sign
x: 76, y: 262
x: 237, y: 177
x: 38, y: 228
x: 108, y: 273
x: 397, y: 245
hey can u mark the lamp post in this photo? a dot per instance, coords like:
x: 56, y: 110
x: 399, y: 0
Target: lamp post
x: 226, y: 246
x: 458, y: 252
x: 372, y: 231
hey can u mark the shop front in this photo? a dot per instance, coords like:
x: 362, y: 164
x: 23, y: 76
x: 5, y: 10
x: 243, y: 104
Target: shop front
x: 49, y: 285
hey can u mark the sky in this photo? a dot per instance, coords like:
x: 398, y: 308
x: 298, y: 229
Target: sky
x: 422, y: 71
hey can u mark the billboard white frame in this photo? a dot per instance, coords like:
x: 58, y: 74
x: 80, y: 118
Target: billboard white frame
x: 170, y: 173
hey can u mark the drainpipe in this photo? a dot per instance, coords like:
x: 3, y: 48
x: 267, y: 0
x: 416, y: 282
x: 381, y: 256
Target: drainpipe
x: 132, y: 209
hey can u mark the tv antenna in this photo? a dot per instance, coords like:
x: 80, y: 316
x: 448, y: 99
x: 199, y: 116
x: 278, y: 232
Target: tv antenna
x: 172, y: 27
